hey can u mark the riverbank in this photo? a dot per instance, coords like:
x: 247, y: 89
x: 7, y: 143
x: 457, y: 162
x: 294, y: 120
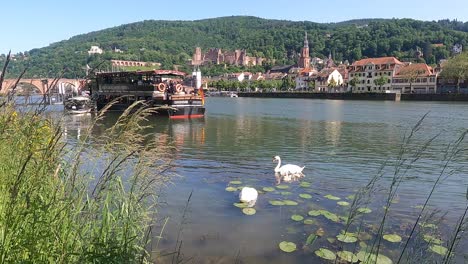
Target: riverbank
x: 359, y: 96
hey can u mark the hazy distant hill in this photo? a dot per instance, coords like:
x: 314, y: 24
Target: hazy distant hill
x: 173, y: 42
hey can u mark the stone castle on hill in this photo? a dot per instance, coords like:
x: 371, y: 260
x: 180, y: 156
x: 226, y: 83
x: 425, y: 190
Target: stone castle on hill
x: 216, y: 56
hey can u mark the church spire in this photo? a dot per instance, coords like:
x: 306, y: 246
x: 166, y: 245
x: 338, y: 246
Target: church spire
x: 306, y: 42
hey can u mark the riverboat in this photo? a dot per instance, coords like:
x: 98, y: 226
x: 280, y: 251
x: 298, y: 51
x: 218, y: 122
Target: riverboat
x: 162, y: 89
x: 78, y: 105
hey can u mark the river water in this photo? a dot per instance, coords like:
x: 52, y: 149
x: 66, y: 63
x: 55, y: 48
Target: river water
x: 342, y: 144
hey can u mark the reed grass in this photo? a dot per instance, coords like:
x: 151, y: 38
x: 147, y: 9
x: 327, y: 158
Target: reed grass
x: 64, y: 203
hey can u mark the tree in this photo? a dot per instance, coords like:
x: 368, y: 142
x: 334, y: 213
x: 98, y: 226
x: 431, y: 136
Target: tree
x: 354, y: 82
x: 332, y: 83
x: 381, y: 81
x: 456, y: 68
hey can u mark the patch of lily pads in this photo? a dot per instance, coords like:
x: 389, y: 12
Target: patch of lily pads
x: 364, y: 210
x: 286, y: 193
x: 290, y: 202
x: 441, y: 250
x: 347, y: 237
x: 343, y: 203
x: 287, y: 247
x: 241, y: 205
x: 309, y: 222
x: 305, y: 184
x: 432, y: 239
x: 394, y: 238
x: 235, y: 182
x: 282, y: 187
x: 331, y: 197
x: 325, y: 254
x: 305, y: 196
x: 268, y: 189
x: 231, y: 189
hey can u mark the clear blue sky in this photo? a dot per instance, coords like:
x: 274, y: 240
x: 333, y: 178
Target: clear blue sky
x: 37, y: 23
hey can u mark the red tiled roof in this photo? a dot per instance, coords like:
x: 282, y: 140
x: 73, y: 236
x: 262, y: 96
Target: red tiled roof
x: 383, y: 60
x: 421, y: 68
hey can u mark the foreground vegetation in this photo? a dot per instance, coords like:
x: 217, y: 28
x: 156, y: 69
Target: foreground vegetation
x: 64, y: 203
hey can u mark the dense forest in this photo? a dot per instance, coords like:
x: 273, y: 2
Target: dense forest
x: 173, y: 42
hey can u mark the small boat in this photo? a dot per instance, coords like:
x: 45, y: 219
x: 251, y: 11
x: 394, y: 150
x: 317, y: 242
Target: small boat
x: 78, y: 105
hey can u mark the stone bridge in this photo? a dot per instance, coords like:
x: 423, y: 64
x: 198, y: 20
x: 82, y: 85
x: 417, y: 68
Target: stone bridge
x: 43, y: 86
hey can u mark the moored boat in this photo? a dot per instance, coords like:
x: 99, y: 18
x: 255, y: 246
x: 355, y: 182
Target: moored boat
x: 78, y: 105
x: 162, y: 89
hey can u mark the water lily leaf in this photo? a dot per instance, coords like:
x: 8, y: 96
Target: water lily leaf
x: 346, y: 238
x: 309, y: 222
x: 325, y: 254
x: 392, y: 238
x: 331, y: 216
x: 235, y: 182
x: 231, y: 189
x: 305, y: 196
x: 363, y: 244
x: 241, y: 205
x: 350, y: 197
x: 305, y: 184
x: 249, y: 211
x: 331, y: 240
x: 297, y: 218
x: 368, y: 258
x: 427, y: 225
x: 331, y: 197
x: 311, y: 239
x: 287, y: 246
x: 282, y: 187
x: 268, y: 189
x: 289, y: 202
x: 432, y: 239
x: 343, y: 203
x: 276, y: 202
x: 364, y: 210
x: 315, y: 212
x: 441, y: 250
x: 347, y: 256
x: 286, y: 193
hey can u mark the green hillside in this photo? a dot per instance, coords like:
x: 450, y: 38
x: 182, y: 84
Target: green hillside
x: 173, y: 42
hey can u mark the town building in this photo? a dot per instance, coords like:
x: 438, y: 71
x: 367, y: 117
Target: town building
x: 363, y: 74
x: 217, y: 56
x: 415, y: 78
x: 329, y: 80
x: 95, y: 50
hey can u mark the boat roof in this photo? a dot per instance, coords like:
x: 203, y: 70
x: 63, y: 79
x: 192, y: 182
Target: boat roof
x: 150, y: 72
x: 79, y: 98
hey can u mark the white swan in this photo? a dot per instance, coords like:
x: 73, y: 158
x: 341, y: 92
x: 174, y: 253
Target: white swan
x: 248, y: 195
x: 288, y: 171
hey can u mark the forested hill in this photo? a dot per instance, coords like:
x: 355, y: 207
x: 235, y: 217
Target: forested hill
x: 173, y: 42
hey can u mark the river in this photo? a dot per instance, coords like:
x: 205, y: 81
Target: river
x: 342, y: 144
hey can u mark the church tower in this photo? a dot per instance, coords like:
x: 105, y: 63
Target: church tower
x: 304, y: 59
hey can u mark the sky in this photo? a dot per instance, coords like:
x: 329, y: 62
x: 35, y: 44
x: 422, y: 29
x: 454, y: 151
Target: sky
x: 26, y: 25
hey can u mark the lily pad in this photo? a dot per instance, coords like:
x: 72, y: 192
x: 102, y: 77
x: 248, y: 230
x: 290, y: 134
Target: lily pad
x: 343, y: 203
x: 311, y: 239
x: 347, y: 238
x: 325, y: 254
x: 268, y: 189
x: 249, y: 211
x: 441, y: 250
x: 368, y: 258
x: 315, y: 212
x: 305, y: 196
x: 231, y: 189
x: 331, y: 197
x: 427, y: 225
x: 289, y: 202
x: 305, y: 184
x: 364, y: 210
x: 432, y: 239
x: 347, y: 256
x: 331, y: 240
x: 297, y: 218
x: 331, y: 216
x: 235, y: 182
x: 350, y: 197
x: 309, y: 222
x: 286, y: 193
x: 241, y: 205
x: 275, y: 202
x: 392, y: 238
x: 287, y: 246
x: 282, y: 187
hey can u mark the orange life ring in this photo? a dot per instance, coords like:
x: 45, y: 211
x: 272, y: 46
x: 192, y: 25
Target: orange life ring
x: 161, y: 87
x: 178, y: 87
